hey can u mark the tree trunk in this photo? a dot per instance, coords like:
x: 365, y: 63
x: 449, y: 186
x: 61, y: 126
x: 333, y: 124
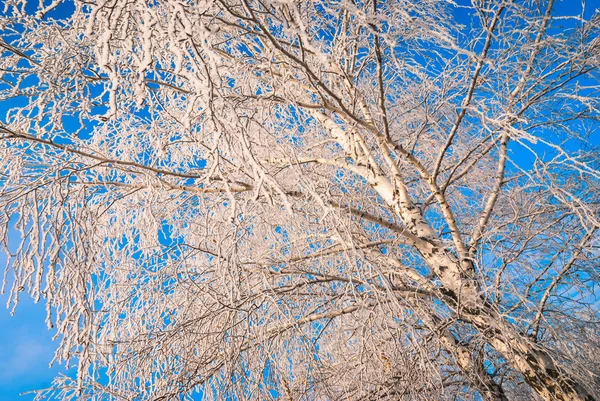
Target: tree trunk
x: 550, y: 381
x: 539, y: 370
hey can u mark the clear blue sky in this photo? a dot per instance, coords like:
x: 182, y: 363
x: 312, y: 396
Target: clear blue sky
x: 26, y: 346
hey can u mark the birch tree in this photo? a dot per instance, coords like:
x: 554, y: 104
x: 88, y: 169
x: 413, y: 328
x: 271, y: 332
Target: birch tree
x: 306, y: 200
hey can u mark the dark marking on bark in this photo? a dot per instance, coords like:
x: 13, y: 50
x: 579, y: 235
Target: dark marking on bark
x: 448, y: 293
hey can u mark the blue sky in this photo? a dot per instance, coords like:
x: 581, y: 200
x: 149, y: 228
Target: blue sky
x: 26, y: 349
x: 26, y: 346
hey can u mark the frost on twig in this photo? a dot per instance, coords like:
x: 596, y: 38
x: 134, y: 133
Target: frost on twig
x: 319, y: 200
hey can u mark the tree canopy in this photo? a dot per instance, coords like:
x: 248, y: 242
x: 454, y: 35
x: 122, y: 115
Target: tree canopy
x: 306, y: 200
